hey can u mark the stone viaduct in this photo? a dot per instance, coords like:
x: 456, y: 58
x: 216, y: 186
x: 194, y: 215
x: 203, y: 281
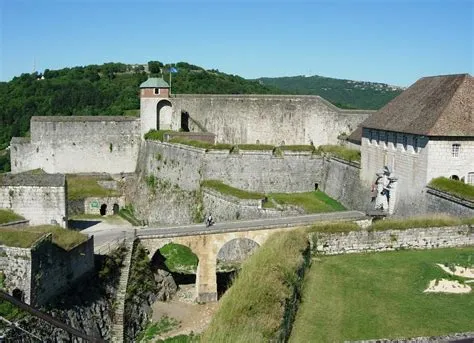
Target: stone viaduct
x: 206, y: 247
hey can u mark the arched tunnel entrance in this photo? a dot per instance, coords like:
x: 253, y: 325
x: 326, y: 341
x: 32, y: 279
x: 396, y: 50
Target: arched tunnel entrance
x: 229, y: 261
x: 174, y: 267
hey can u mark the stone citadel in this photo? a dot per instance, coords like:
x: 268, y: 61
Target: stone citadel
x: 116, y: 145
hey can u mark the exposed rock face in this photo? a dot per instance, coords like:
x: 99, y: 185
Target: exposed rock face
x: 166, y: 285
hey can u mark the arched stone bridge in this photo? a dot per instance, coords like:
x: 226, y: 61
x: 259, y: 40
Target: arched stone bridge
x: 207, y: 244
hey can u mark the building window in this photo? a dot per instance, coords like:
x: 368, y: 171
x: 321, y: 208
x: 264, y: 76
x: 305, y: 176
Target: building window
x: 157, y: 91
x: 470, y: 178
x: 415, y: 144
x: 386, y: 139
x: 405, y: 142
x: 455, y: 150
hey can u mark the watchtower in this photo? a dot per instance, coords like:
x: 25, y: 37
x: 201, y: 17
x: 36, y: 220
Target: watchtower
x: 155, y: 106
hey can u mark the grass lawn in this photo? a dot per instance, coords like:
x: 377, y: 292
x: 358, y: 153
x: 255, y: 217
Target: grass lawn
x: 311, y: 202
x: 83, y: 186
x: 179, y: 258
x: 380, y: 295
x: 341, y: 152
x: 25, y: 237
x: 454, y: 187
x: 7, y: 216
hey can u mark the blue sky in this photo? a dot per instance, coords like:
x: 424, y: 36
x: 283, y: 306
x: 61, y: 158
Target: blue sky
x: 395, y: 42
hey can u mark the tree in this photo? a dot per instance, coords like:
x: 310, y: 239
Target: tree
x: 154, y: 67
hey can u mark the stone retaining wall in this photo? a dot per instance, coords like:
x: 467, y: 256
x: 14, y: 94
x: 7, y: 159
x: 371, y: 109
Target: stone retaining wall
x: 228, y: 208
x: 376, y: 241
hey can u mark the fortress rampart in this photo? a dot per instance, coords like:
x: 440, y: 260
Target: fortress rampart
x: 78, y: 145
x: 44, y: 269
x: 268, y: 119
x: 259, y: 171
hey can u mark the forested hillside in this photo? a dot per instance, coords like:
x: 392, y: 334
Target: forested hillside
x: 112, y: 89
x: 109, y: 89
x: 342, y: 93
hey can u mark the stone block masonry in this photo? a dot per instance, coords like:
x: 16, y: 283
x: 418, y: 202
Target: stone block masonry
x: 269, y: 119
x: 78, y: 145
x: 259, y: 171
x: 376, y: 241
x: 228, y: 208
x: 44, y: 270
x: 39, y: 198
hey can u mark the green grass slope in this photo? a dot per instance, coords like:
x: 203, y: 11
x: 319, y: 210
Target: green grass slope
x: 380, y: 295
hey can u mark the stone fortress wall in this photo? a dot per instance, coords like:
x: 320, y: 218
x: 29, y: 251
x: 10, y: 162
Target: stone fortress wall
x: 78, y: 145
x: 268, y: 119
x: 258, y: 171
x: 44, y: 269
x: 40, y: 198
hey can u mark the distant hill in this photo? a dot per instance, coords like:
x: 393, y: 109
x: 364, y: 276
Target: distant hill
x: 342, y: 93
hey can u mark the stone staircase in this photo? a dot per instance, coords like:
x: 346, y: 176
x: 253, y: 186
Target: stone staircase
x: 118, y: 323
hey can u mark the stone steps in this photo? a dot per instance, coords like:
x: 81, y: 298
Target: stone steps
x: 117, y: 326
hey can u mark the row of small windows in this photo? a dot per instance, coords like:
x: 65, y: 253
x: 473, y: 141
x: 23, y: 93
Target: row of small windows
x: 379, y: 137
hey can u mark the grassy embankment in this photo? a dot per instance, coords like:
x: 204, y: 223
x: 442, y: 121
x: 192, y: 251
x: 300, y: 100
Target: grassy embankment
x: 311, y: 202
x: 83, y: 186
x: 25, y: 237
x: 339, y: 151
x: 380, y: 295
x: 457, y: 188
x: 7, y: 216
x: 179, y: 258
x: 252, y: 310
x: 375, y: 284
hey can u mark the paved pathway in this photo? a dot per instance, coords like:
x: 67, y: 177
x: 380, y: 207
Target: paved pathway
x: 109, y: 232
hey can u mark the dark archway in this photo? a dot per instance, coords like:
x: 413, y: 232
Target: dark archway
x: 185, y: 121
x: 162, y: 108
x: 18, y: 294
x: 455, y: 177
x: 229, y: 260
x: 103, y: 209
x: 116, y: 209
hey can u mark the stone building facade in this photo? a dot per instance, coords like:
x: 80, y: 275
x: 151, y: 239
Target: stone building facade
x: 38, y: 273
x: 38, y: 197
x: 424, y: 133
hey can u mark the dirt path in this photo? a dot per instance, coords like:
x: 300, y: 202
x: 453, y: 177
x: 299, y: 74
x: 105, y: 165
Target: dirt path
x: 193, y: 317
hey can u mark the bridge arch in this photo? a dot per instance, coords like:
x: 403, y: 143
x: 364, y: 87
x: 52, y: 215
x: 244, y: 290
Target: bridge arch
x: 229, y: 260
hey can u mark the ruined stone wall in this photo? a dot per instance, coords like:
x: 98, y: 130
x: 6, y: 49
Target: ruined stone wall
x: 367, y: 241
x: 15, y: 263
x: 53, y: 269
x: 40, y: 205
x: 78, y: 145
x: 269, y: 119
x: 260, y: 171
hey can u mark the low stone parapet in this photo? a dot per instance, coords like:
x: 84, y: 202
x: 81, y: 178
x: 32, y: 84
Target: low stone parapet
x: 371, y: 241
